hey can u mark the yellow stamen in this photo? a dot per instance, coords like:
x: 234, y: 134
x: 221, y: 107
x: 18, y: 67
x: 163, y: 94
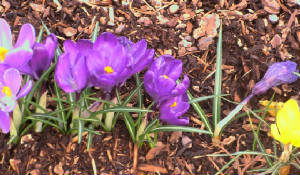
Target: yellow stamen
x: 108, y: 69
x: 7, y: 91
x: 173, y: 105
x: 165, y: 76
x: 3, y: 52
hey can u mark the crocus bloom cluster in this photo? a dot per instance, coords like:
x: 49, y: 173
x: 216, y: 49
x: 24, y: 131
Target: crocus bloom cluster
x: 18, y: 55
x: 10, y: 92
x: 108, y: 62
x: 277, y: 74
x: 26, y: 55
x: 287, y: 127
x: 160, y: 83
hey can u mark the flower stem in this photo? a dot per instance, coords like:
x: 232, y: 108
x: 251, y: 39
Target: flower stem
x: 135, y: 157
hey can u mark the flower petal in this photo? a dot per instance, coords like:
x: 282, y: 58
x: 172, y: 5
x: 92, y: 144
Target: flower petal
x: 63, y: 74
x: 41, y: 60
x: 25, y: 89
x: 182, y: 87
x: 18, y: 57
x: 4, y: 122
x: 27, y: 34
x: 80, y: 73
x: 51, y: 44
x: 5, y: 35
x: 12, y: 79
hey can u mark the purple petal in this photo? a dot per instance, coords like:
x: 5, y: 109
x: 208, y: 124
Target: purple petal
x: 5, y: 35
x: 25, y: 89
x: 70, y: 73
x: 182, y: 87
x: 85, y: 46
x: 277, y: 74
x: 51, y: 44
x: 105, y: 41
x: 63, y: 74
x: 80, y: 73
x: 12, y: 79
x: 138, y: 51
x: 172, y: 114
x: 41, y: 60
x: 70, y: 46
x: 18, y: 57
x: 27, y: 34
x: 4, y: 122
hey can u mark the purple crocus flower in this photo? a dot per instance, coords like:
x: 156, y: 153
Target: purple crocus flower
x: 173, y: 108
x: 107, y: 62
x: 160, y: 79
x: 71, y: 71
x: 140, y: 57
x: 43, y: 54
x: 277, y: 74
x: 10, y: 84
x: 18, y: 55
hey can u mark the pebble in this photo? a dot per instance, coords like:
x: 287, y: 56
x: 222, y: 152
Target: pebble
x: 273, y: 18
x: 174, y: 8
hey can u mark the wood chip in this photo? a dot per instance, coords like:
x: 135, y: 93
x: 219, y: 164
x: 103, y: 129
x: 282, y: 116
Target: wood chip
x: 69, y: 31
x: 37, y: 7
x: 153, y: 152
x: 152, y: 168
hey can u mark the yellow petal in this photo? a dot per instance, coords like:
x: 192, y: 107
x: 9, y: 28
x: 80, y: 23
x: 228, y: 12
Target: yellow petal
x: 288, y: 123
x: 274, y: 107
x: 275, y: 134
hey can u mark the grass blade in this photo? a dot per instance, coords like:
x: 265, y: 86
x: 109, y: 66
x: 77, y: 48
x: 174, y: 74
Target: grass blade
x: 201, y: 113
x: 178, y: 128
x: 218, y: 81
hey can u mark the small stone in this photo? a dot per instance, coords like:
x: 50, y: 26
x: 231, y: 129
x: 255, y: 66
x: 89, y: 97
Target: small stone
x: 173, y: 8
x: 273, y: 18
x: 146, y: 21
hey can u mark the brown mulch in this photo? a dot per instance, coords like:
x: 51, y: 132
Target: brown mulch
x: 251, y: 42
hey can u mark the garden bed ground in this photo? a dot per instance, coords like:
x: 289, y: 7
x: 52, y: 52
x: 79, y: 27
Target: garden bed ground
x: 250, y: 44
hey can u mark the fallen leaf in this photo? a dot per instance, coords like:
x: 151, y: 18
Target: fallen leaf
x: 152, y: 168
x: 153, y: 152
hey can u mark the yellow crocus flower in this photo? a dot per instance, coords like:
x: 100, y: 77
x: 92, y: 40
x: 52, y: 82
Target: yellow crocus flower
x: 287, y: 127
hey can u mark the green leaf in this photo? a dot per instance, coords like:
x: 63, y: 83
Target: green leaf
x: 218, y: 81
x: 201, y: 113
x: 130, y: 126
x: 178, y: 128
x: 199, y: 99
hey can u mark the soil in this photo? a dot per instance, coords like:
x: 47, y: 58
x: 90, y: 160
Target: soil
x: 248, y: 50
